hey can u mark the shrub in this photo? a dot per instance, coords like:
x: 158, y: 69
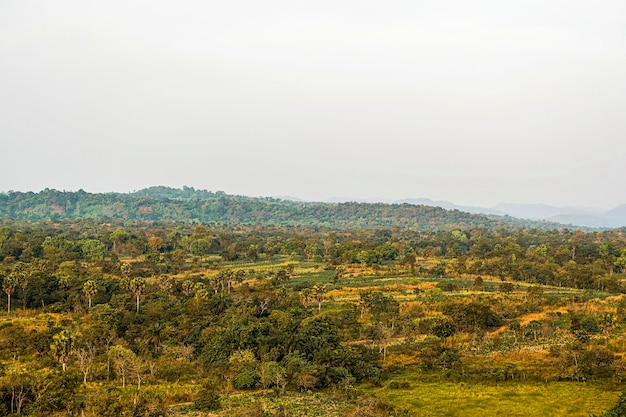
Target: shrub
x: 207, y: 399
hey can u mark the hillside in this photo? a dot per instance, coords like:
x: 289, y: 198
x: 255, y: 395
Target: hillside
x: 190, y: 205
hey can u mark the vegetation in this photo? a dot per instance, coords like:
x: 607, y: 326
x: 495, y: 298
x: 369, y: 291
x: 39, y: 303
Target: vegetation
x: 200, y: 206
x: 106, y: 317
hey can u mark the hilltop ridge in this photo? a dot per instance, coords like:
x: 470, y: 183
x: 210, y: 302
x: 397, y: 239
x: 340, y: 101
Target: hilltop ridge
x: 188, y: 204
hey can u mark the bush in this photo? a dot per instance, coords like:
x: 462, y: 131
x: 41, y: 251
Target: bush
x: 247, y: 379
x: 207, y: 399
x: 399, y: 385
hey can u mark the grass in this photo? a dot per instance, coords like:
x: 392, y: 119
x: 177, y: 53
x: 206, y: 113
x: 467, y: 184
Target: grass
x: 508, y: 399
x: 266, y: 404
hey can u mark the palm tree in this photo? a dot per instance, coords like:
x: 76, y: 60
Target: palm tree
x: 8, y: 286
x: 318, y: 293
x: 62, y: 347
x: 136, y: 286
x: 90, y: 288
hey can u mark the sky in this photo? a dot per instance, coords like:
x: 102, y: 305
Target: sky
x: 474, y: 102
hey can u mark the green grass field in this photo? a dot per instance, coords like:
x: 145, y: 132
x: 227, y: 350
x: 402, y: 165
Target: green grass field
x: 510, y: 399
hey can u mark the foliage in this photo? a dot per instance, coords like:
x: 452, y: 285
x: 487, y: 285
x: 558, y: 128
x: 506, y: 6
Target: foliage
x: 286, y: 311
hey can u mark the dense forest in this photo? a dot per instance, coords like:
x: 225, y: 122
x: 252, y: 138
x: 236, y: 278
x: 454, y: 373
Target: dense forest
x: 111, y: 317
x: 200, y: 206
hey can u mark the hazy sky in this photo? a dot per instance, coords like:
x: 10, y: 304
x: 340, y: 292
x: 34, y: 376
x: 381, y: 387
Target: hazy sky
x: 476, y: 102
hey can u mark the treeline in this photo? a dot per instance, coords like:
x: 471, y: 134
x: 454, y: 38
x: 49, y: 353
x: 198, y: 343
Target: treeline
x: 201, y: 206
x: 556, y: 257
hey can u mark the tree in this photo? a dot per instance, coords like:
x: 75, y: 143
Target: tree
x: 62, y: 347
x: 223, y: 280
x: 409, y: 258
x: 118, y: 237
x: 126, y: 269
x: 19, y: 384
x: 338, y: 273
x: 318, y: 293
x: 85, y: 354
x: 137, y: 286
x: 436, y: 356
x: 272, y: 374
x: 9, y: 284
x: 123, y: 360
x: 620, y: 263
x: 253, y: 252
x: 243, y: 365
x: 305, y: 296
x: 22, y: 273
x: 93, y: 250
x: 90, y: 288
x: 608, y: 322
x: 155, y: 243
x: 200, y: 247
x: 207, y: 399
x: 478, y: 284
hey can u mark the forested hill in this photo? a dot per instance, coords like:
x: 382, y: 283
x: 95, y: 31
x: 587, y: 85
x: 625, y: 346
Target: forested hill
x: 191, y: 205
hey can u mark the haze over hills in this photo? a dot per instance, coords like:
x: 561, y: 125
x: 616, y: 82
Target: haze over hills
x: 191, y: 205
x: 593, y: 217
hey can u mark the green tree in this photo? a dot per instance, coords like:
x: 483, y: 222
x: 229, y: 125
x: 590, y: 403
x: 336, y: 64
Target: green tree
x: 200, y: 247
x: 435, y: 356
x: 338, y: 273
x: 93, y: 250
x: 126, y: 269
x: 208, y: 399
x: 62, y: 347
x: 123, y: 359
x: 243, y: 366
x: 9, y: 284
x: 620, y: 262
x: 18, y: 383
x: 319, y: 290
x: 119, y: 237
x: 126, y: 364
x: 305, y: 296
x: 90, y: 289
x: 273, y: 374
x: 137, y: 287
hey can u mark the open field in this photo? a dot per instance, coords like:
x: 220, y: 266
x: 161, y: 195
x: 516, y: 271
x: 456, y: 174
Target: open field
x: 511, y: 399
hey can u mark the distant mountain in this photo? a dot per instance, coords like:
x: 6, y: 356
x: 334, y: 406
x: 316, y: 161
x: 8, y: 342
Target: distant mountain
x: 420, y: 202
x: 529, y: 211
x: 573, y: 216
x: 289, y: 198
x: 579, y: 216
x: 371, y: 200
x: 617, y: 215
x: 618, y: 212
x: 451, y: 206
x: 191, y: 205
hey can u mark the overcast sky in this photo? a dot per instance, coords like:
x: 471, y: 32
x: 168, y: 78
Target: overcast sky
x: 475, y: 102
